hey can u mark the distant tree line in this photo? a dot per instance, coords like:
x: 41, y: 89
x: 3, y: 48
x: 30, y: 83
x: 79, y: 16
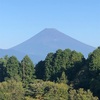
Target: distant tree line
x: 63, y: 75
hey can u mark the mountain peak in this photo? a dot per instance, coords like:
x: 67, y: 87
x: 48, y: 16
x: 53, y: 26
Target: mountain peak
x: 50, y: 32
x: 50, y: 29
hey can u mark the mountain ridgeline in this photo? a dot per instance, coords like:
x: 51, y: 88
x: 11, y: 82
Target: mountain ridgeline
x: 48, y: 40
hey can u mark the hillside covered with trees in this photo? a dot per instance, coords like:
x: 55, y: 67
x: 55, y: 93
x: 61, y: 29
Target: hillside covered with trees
x: 63, y: 75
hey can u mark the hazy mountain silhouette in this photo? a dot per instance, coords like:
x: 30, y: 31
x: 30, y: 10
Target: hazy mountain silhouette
x: 49, y: 40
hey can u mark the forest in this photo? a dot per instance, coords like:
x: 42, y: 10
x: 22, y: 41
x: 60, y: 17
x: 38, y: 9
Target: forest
x: 63, y: 75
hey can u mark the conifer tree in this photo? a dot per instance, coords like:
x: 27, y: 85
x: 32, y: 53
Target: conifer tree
x: 12, y: 68
x: 27, y: 69
x: 63, y: 78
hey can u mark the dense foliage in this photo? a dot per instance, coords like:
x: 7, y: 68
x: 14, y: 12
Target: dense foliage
x: 11, y: 90
x: 41, y: 90
x: 67, y: 61
x: 63, y: 75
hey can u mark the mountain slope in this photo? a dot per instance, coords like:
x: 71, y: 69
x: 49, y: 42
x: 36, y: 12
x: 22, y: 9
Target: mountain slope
x: 48, y: 40
x: 11, y: 52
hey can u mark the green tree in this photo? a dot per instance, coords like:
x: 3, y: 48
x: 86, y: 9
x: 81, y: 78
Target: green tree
x: 39, y: 70
x: 63, y: 78
x: 48, y: 69
x: 27, y: 71
x: 75, y: 63
x: 12, y: 68
x: 11, y: 90
x: 93, y: 63
x: 3, y: 73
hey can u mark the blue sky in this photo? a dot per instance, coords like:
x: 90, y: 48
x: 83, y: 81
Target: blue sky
x: 22, y: 19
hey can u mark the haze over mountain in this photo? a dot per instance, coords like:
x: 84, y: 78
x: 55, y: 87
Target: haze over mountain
x: 48, y: 40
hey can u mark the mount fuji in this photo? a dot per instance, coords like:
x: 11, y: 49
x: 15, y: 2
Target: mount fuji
x: 46, y: 41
